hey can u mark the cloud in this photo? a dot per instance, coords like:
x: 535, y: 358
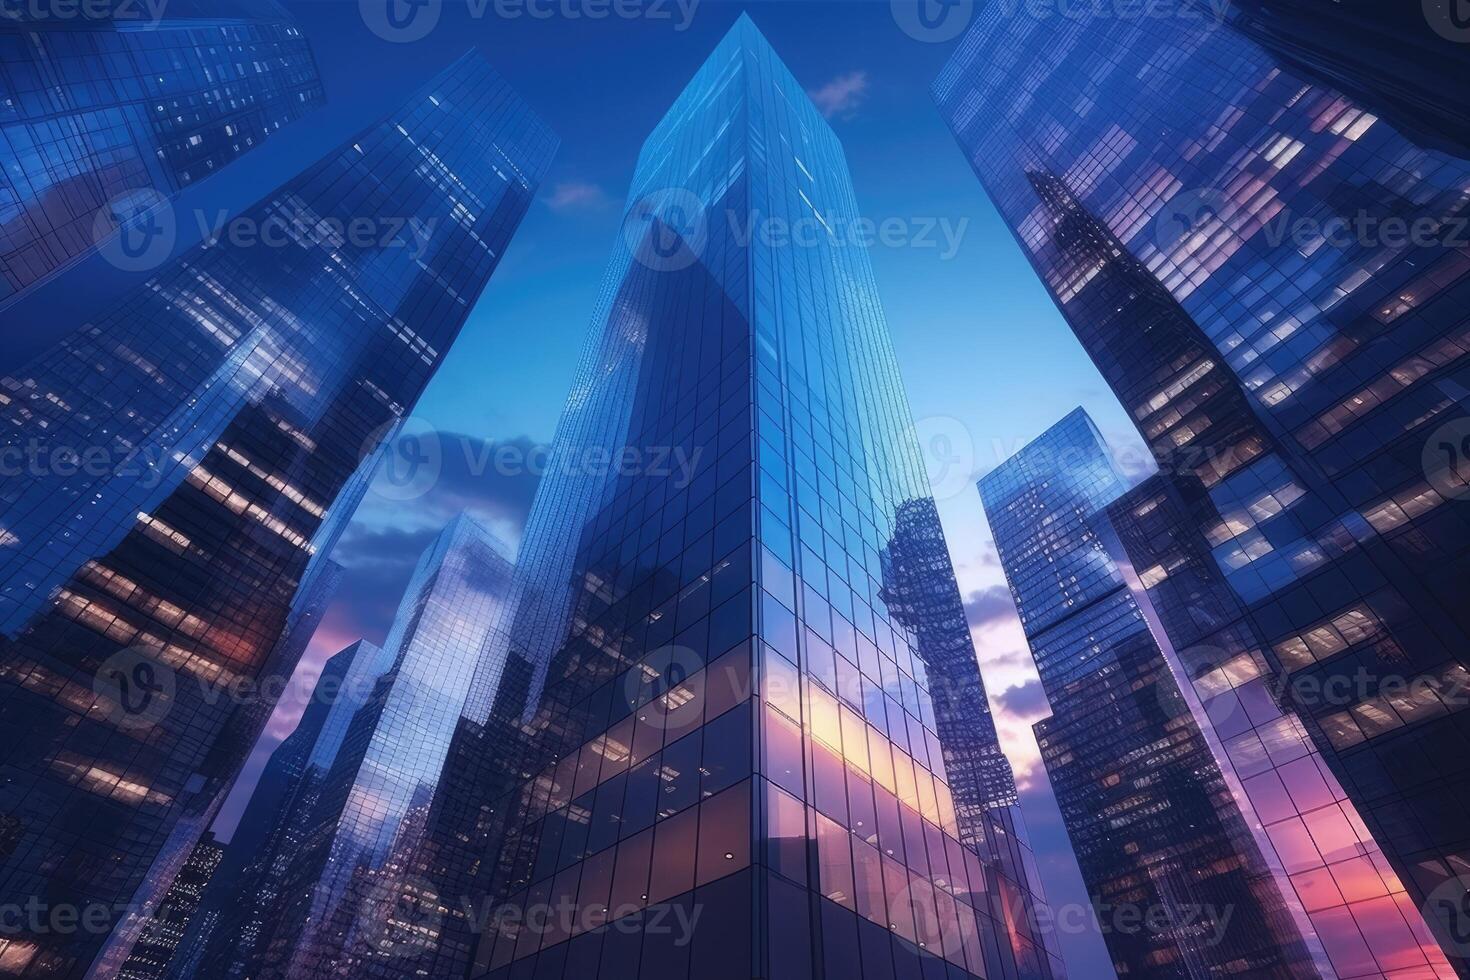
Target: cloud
x: 1008, y: 660
x: 493, y: 480
x: 376, y: 565
x: 987, y: 556
x: 577, y: 195
x: 1027, y: 702
x: 1015, y: 710
x: 842, y: 95
x: 1019, y: 743
x: 991, y: 605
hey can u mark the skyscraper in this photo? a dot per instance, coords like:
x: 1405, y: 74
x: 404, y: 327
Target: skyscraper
x: 1169, y: 829
x: 186, y: 454
x: 759, y: 745
x: 1231, y: 243
x: 267, y: 838
x: 356, y: 873
x: 160, y: 940
x: 108, y: 107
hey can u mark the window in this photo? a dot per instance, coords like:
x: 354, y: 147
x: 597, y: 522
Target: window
x: 786, y: 851
x: 724, y: 833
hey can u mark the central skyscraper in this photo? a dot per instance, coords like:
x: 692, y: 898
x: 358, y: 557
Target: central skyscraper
x: 760, y: 746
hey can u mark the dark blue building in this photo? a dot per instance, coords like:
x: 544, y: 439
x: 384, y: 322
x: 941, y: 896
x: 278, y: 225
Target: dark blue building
x: 1272, y: 279
x: 109, y: 110
x: 161, y: 937
x: 1393, y: 58
x: 760, y: 746
x: 189, y: 452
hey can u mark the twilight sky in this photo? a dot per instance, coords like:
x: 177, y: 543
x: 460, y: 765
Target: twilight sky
x: 988, y: 361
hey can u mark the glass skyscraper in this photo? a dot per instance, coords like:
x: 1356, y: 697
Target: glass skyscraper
x: 341, y: 908
x: 155, y: 950
x: 1231, y: 242
x: 759, y: 745
x: 223, y: 941
x: 124, y: 110
x: 187, y: 453
x: 1167, y: 827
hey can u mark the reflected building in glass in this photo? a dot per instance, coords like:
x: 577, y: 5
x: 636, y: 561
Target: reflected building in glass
x: 108, y: 112
x: 1229, y: 241
x: 759, y: 745
x: 188, y: 454
x: 354, y: 898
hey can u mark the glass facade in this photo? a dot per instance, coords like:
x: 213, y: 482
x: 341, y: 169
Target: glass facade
x: 1161, y: 829
x: 318, y: 588
x: 93, y: 111
x: 1227, y: 238
x: 1393, y: 58
x: 758, y: 743
x: 341, y: 905
x: 190, y: 451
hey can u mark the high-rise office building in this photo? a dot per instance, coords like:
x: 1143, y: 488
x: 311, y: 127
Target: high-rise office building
x: 222, y: 942
x: 1170, y: 829
x: 160, y: 940
x: 756, y: 742
x: 1268, y: 277
x: 185, y: 456
x: 107, y: 106
x: 356, y: 901
x: 466, y: 819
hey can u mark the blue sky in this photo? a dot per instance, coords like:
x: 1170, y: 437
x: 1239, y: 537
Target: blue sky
x: 988, y: 361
